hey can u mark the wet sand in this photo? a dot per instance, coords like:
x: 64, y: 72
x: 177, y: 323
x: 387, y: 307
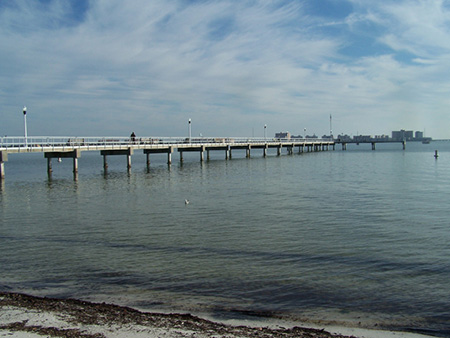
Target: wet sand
x: 24, y: 316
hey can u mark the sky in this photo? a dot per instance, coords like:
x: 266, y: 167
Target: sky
x: 110, y: 67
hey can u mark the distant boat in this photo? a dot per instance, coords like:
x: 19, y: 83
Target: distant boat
x: 426, y: 142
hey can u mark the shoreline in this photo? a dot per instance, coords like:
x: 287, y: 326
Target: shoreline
x: 26, y: 316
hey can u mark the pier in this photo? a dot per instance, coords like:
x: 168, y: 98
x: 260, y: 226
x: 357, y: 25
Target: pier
x: 72, y: 147
x: 373, y: 142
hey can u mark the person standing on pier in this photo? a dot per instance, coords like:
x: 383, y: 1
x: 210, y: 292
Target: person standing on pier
x: 133, y: 137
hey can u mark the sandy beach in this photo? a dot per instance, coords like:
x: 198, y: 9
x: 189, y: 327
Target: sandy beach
x: 25, y: 316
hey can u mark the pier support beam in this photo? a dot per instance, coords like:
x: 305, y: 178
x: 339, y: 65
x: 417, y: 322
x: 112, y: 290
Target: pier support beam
x: 3, y: 158
x: 75, y: 154
x: 373, y: 145
x: 247, y: 151
x: 265, y: 150
x: 168, y: 150
x: 127, y: 152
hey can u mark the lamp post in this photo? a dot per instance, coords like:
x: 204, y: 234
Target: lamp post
x: 265, y: 127
x: 25, y: 122
x: 189, y: 130
x: 305, y: 133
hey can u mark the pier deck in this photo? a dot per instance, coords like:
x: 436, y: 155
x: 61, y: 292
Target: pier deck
x: 72, y: 147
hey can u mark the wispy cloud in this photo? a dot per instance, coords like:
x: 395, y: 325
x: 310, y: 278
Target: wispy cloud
x: 108, y: 67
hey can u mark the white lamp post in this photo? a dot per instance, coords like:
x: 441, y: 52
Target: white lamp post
x: 265, y: 127
x: 305, y: 133
x: 25, y: 122
x: 189, y: 130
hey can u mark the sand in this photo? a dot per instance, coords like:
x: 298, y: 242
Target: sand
x: 24, y: 316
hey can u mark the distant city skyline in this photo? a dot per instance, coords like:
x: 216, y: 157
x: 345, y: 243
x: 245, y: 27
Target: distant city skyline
x: 402, y: 134
x: 98, y: 68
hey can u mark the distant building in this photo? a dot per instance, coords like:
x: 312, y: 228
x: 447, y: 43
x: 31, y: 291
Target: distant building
x: 362, y: 138
x: 344, y: 138
x: 311, y: 136
x: 407, y: 135
x: 283, y: 135
x: 381, y: 137
x: 419, y: 135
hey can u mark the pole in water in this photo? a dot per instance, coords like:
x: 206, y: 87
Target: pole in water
x: 436, y: 154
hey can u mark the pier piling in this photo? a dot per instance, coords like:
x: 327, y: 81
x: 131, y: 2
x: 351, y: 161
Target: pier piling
x: 3, y: 158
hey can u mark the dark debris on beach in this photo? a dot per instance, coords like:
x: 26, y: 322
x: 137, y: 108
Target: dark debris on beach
x: 88, y: 313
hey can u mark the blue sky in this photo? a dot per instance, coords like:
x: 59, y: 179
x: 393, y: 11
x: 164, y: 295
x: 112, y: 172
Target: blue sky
x: 109, y: 67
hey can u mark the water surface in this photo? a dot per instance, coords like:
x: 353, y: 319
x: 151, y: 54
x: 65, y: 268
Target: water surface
x: 353, y: 236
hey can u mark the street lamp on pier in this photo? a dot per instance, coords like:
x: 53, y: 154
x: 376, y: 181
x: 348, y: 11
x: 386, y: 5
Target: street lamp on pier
x: 265, y: 127
x: 189, y: 130
x: 25, y: 123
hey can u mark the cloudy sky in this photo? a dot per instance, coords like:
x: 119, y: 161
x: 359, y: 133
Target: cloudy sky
x: 109, y: 67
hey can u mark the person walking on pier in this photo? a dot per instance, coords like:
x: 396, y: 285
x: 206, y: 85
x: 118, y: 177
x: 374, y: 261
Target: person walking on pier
x: 133, y: 137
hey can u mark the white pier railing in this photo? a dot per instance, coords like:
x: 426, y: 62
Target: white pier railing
x: 35, y: 143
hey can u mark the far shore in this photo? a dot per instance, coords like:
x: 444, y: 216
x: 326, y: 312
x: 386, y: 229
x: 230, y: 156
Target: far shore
x: 25, y: 316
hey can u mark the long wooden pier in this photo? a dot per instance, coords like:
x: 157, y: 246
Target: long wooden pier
x: 72, y: 147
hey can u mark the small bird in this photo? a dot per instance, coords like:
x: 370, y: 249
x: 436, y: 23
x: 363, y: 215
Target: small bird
x: 186, y: 202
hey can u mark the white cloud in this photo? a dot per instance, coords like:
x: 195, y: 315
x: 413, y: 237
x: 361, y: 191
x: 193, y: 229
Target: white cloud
x: 231, y: 67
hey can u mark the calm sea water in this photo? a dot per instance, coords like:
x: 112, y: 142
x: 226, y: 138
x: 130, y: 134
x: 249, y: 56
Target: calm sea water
x: 352, y: 236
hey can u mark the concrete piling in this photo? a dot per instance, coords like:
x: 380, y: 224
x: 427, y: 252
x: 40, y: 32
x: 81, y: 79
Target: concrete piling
x: 3, y: 158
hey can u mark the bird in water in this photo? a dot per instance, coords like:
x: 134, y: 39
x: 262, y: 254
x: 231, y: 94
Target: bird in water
x: 186, y: 202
